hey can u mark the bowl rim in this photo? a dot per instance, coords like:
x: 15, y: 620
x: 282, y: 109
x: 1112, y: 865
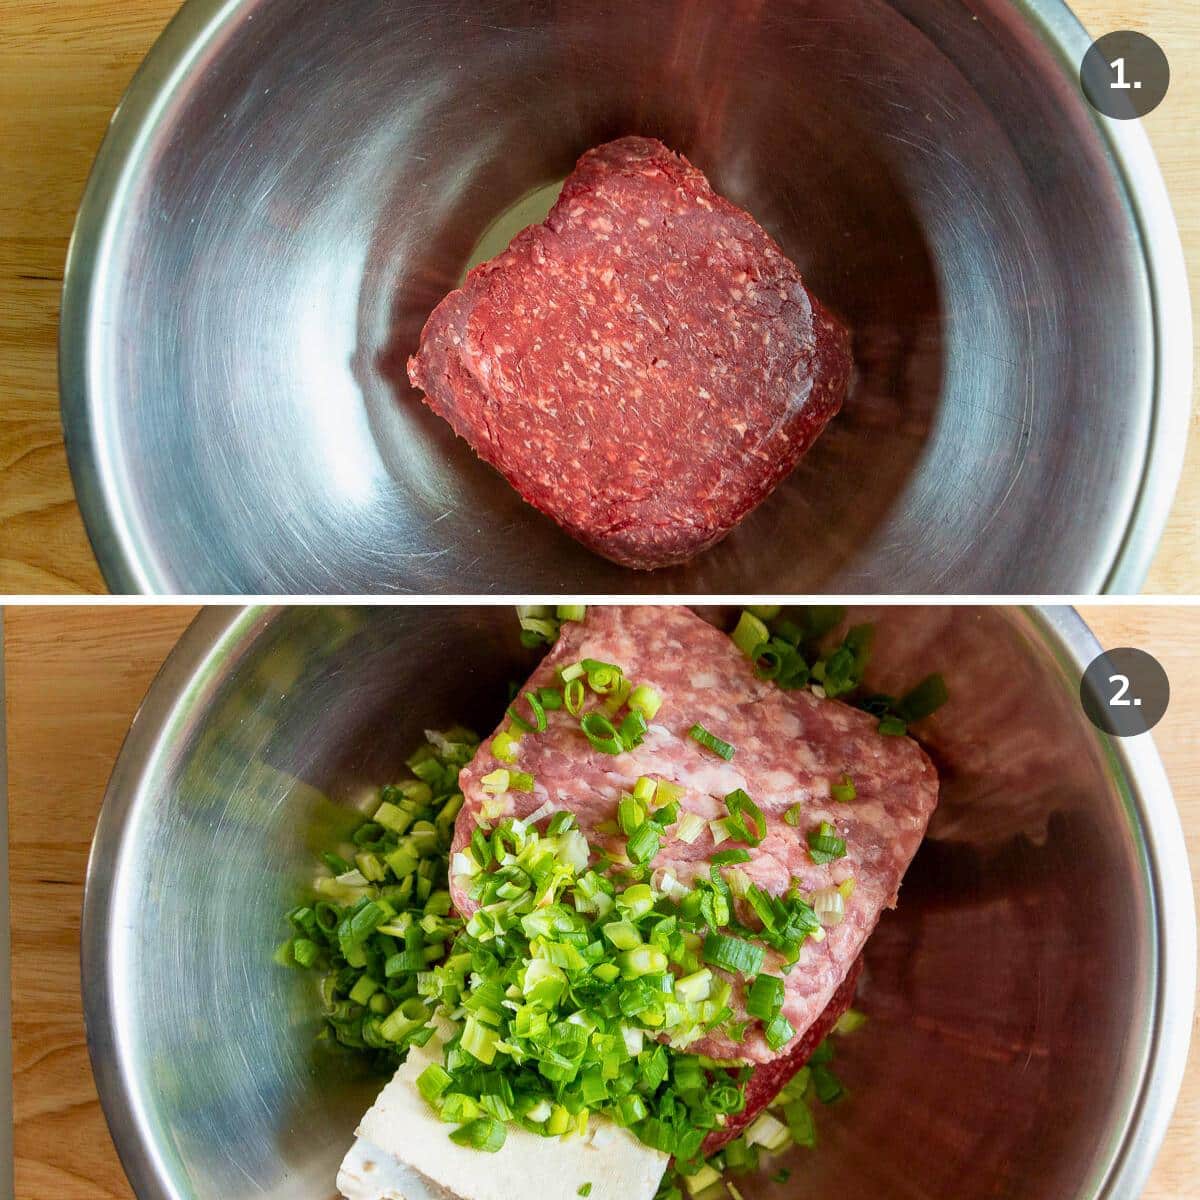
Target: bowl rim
x: 220, y: 635
x: 125, y: 560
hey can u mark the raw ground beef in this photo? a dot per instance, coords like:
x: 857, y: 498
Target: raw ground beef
x: 645, y: 366
x: 790, y: 746
x: 769, y: 1079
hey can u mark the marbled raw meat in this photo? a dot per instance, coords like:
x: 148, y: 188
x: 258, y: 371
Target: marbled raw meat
x: 767, y: 1080
x: 645, y: 366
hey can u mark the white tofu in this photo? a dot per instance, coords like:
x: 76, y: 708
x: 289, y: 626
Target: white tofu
x: 368, y: 1173
x: 404, y: 1152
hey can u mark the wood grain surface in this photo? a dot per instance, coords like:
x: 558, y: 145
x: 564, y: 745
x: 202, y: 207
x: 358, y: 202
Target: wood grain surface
x: 75, y: 677
x: 63, y: 67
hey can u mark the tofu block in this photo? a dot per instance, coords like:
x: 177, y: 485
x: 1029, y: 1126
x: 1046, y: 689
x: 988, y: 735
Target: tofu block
x: 404, y: 1152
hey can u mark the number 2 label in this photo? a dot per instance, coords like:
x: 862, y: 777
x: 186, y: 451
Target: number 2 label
x: 1118, y: 698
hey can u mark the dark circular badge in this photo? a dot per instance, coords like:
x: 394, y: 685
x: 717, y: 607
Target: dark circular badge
x: 1124, y: 74
x: 1124, y: 692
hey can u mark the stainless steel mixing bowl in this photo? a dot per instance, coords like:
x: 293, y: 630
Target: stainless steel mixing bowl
x: 1030, y: 999
x: 288, y: 189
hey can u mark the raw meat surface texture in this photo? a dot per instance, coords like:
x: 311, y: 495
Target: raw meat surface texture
x: 790, y: 746
x: 644, y: 367
x: 769, y: 1079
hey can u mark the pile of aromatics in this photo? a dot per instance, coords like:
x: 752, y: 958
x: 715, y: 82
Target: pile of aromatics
x: 788, y: 651
x: 380, y: 913
x: 577, y: 985
x: 561, y: 986
x: 787, y: 1121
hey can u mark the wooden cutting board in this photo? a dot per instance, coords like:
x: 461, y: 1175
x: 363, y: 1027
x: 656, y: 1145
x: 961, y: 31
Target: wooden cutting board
x: 63, y: 67
x: 75, y: 678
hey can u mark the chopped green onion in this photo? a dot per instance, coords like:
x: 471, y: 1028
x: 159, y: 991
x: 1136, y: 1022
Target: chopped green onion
x: 696, y: 987
x: 644, y: 789
x: 891, y: 726
x: 843, y: 791
x: 503, y: 780
x: 644, y: 844
x: 824, y: 845
x: 749, y: 634
x: 739, y: 883
x: 769, y: 659
x: 602, y: 677
x: 305, y: 952
x: 504, y: 747
x: 733, y: 953
x: 843, y: 669
x: 794, y: 815
x: 630, y: 814
x: 927, y: 697
x: 633, y: 730
x: 622, y: 934
x: 826, y: 1084
x: 829, y: 905
x: 778, y: 1032
x: 666, y: 792
x: 711, y: 742
x: 765, y: 998
x: 800, y: 1123
x: 850, y: 1022
x: 642, y: 960
x: 518, y: 722
x: 364, y: 989
x: 335, y: 862
x: 691, y: 826
x: 433, y: 1081
x: 571, y: 612
x: 479, y: 1041
x: 767, y: 1131
x: 645, y: 700
x: 727, y: 857
x: 584, y: 1189
x: 537, y: 631
x: 538, y: 711
x: 702, y: 1179
x: 601, y: 733
x: 614, y: 701
x: 484, y: 1133
x: 560, y: 822
x: 667, y: 815
x: 744, y: 813
x: 574, y: 696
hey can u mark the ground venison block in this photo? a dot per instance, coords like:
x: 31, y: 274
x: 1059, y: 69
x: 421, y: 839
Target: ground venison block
x: 644, y: 367
x: 790, y: 746
x: 769, y: 1079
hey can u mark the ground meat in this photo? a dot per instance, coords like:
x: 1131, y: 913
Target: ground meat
x: 790, y: 747
x: 644, y: 367
x: 769, y: 1079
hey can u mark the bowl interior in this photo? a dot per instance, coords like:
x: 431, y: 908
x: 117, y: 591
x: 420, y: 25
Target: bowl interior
x: 1010, y: 995
x: 291, y: 191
